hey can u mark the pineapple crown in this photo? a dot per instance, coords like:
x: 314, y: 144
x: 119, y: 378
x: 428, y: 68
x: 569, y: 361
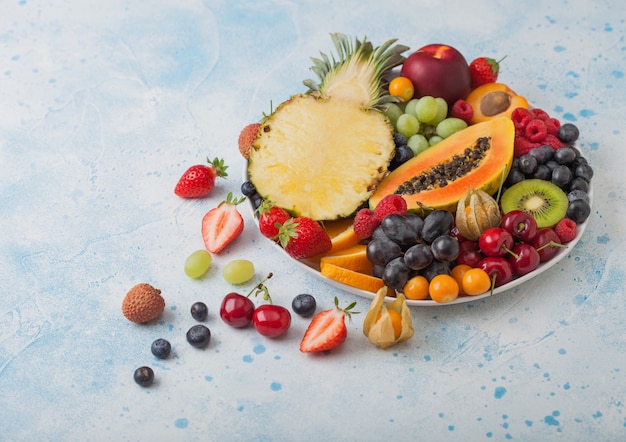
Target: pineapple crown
x: 357, y: 72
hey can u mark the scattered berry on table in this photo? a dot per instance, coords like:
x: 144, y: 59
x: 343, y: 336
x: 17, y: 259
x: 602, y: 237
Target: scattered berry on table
x: 327, y: 329
x: 161, y: 348
x: 144, y: 376
x: 238, y: 271
x: 199, y: 180
x: 198, y: 263
x: 143, y: 303
x: 222, y: 224
x: 271, y: 320
x: 304, y: 304
x: 198, y: 336
x: 199, y: 311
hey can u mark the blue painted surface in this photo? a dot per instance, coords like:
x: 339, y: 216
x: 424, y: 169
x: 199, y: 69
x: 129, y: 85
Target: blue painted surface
x: 102, y: 106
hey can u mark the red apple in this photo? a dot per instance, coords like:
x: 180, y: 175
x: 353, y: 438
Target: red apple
x: 440, y: 71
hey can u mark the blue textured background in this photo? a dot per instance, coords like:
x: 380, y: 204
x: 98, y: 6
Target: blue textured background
x: 104, y: 104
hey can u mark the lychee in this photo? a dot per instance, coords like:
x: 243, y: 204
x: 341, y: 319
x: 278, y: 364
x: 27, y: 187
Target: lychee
x: 143, y: 303
x: 246, y: 138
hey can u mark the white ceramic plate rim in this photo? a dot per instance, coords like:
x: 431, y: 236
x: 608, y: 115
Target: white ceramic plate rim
x: 311, y: 269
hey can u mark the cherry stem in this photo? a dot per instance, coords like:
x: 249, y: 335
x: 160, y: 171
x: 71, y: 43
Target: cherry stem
x: 553, y: 244
x: 261, y: 288
x: 493, y: 283
x: 515, y: 255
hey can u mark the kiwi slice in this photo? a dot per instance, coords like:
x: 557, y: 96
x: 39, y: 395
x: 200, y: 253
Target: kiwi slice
x: 546, y: 202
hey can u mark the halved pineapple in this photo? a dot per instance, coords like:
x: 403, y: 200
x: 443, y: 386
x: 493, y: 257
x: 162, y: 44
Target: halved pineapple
x: 321, y: 154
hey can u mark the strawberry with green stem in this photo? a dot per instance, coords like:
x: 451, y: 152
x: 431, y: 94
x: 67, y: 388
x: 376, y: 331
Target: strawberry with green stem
x: 222, y: 224
x: 271, y: 217
x: 199, y: 180
x: 484, y: 70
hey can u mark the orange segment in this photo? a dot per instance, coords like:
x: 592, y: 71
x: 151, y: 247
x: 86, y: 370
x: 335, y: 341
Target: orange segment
x: 334, y: 228
x: 351, y: 278
x: 352, y: 258
x: 343, y: 240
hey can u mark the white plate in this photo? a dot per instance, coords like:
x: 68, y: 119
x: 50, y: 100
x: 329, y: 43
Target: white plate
x: 314, y: 270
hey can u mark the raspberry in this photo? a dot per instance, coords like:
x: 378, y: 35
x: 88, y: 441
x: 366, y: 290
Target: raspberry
x: 553, y: 125
x: 521, y: 117
x: 522, y: 146
x: 553, y: 142
x: 365, y: 223
x: 536, y: 130
x: 463, y: 110
x: 566, y: 230
x: 390, y: 204
x: 540, y: 114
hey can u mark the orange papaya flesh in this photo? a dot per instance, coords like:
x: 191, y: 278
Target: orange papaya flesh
x: 478, y: 157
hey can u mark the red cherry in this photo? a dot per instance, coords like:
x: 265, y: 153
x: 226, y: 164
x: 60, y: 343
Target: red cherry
x: 520, y: 224
x: 271, y: 320
x: 499, y: 267
x: 524, y: 258
x: 495, y: 241
x: 236, y: 310
x: 547, y: 243
x: 469, y: 254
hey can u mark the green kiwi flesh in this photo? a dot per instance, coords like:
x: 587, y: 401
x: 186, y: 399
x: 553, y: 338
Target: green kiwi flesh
x: 546, y: 202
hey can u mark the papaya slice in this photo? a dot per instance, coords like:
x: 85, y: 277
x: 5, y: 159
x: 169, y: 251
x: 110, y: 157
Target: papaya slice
x: 478, y: 157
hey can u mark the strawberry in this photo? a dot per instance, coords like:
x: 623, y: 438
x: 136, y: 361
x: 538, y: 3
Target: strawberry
x: 222, y: 224
x: 269, y: 216
x: 327, y: 329
x: 484, y: 70
x: 199, y: 180
x: 303, y: 238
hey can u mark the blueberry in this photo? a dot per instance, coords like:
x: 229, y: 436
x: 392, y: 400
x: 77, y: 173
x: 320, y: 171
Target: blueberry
x: 568, y: 133
x: 514, y: 177
x: 257, y: 200
x: 543, y: 172
x: 561, y: 176
x: 542, y: 154
x: 401, y: 155
x: 144, y: 376
x: 528, y: 164
x: 578, y: 210
x: 565, y: 155
x: 399, y: 139
x: 198, y: 336
x: 579, y: 183
x: 577, y: 194
x: 161, y: 348
x: 584, y: 171
x: 248, y: 189
x: 199, y: 311
x: 304, y: 304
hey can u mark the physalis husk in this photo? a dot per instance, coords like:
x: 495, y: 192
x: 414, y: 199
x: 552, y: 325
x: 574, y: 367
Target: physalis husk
x: 378, y: 325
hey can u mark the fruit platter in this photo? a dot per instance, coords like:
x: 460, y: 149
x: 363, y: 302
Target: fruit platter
x: 415, y: 173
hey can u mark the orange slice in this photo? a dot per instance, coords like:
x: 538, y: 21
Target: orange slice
x: 347, y: 238
x: 334, y: 228
x: 352, y: 258
x: 351, y: 278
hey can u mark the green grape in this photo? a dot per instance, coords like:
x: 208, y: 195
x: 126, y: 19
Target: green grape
x: 409, y: 108
x: 434, y: 140
x: 426, y: 109
x: 442, y: 111
x: 418, y: 143
x: 393, y: 111
x: 197, y: 263
x: 407, y: 125
x: 449, y: 126
x: 238, y: 271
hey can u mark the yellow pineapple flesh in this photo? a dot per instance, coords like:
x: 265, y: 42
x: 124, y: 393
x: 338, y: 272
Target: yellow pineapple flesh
x: 322, y: 154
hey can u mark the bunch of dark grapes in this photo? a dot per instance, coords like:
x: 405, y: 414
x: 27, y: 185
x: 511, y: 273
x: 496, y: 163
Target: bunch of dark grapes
x: 404, y: 246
